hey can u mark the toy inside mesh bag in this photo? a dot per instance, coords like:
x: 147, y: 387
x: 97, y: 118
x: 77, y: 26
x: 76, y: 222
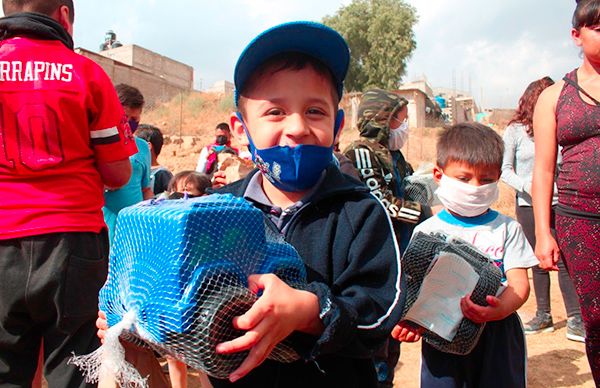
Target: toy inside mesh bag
x: 178, y: 275
x: 420, y: 186
x: 462, y: 262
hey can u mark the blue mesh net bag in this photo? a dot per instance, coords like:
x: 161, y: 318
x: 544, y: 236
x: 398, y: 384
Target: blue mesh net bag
x: 178, y: 275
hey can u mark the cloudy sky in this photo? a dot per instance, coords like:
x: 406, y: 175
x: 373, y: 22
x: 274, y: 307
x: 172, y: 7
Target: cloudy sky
x: 493, y: 48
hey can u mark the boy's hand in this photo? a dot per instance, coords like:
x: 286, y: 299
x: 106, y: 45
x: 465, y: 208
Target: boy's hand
x: 102, y: 325
x: 480, y: 314
x: 276, y: 314
x: 405, y: 332
x: 219, y: 179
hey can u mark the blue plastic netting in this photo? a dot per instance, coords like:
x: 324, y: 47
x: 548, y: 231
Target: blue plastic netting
x: 180, y: 269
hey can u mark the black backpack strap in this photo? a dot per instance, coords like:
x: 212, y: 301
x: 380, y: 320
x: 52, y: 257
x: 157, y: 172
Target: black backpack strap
x: 576, y: 86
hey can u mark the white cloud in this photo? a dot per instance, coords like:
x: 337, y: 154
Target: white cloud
x: 496, y: 48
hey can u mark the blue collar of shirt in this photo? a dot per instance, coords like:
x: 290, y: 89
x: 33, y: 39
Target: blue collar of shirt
x: 468, y: 222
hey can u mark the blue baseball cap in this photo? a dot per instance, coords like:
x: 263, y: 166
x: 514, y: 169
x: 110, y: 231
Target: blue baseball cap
x: 313, y: 39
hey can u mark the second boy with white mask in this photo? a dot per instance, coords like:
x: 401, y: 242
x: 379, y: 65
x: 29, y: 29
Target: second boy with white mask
x: 465, y: 199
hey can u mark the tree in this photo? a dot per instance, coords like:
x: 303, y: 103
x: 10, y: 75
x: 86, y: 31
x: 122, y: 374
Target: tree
x: 381, y: 39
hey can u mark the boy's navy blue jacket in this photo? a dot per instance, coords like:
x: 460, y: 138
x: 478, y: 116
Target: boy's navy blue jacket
x: 347, y: 243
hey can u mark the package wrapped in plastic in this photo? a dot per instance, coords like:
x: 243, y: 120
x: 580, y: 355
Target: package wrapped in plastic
x: 417, y: 262
x: 178, y: 275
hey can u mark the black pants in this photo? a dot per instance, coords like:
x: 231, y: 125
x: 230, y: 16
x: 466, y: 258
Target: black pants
x: 497, y: 361
x: 386, y: 361
x: 49, y: 290
x: 541, y: 278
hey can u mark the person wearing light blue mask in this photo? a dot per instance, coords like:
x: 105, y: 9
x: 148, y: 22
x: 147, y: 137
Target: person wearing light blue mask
x: 289, y: 81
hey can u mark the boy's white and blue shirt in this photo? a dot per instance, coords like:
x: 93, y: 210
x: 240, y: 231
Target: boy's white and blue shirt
x: 499, y: 236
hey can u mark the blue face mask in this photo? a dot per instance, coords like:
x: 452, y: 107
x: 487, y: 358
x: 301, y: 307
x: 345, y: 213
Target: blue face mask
x: 133, y: 124
x: 293, y: 169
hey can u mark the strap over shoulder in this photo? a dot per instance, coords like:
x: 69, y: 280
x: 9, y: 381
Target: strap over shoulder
x: 579, y: 88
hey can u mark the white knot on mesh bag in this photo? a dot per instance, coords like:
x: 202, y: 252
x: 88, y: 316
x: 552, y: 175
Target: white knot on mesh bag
x: 178, y: 274
x: 439, y: 311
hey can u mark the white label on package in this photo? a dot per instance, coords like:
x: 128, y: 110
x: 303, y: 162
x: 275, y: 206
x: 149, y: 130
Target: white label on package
x: 437, y: 307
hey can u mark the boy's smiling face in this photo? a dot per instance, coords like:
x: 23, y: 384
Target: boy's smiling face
x: 288, y: 108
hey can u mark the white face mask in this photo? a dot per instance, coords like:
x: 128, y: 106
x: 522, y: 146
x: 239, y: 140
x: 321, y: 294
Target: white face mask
x: 398, y: 136
x: 464, y: 199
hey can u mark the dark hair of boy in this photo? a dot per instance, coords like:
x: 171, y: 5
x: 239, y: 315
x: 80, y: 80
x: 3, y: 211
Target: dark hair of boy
x: 287, y: 61
x: 130, y: 96
x: 223, y: 127
x: 587, y: 14
x: 200, y: 181
x: 152, y: 135
x: 471, y: 143
x: 45, y: 7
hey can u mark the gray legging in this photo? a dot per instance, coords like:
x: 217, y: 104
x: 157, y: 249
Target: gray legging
x: 541, y: 278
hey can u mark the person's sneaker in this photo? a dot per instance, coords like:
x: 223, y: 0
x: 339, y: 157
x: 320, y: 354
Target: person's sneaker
x: 542, y: 323
x: 575, y: 330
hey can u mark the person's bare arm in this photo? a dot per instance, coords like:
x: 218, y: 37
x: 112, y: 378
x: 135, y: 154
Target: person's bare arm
x: 546, y: 146
x: 147, y: 193
x: 115, y: 174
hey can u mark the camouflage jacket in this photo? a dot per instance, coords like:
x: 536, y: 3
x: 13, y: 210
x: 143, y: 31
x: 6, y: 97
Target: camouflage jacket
x: 374, y: 164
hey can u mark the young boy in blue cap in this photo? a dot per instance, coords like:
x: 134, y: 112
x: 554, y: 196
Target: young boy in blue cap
x: 289, y: 82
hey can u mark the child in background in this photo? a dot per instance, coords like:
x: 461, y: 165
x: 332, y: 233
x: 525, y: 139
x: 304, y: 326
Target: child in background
x: 187, y: 184
x: 207, y: 161
x: 159, y: 175
x: 138, y: 187
x: 469, y: 159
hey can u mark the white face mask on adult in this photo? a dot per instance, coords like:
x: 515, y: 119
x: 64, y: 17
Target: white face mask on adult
x: 398, y: 136
x: 464, y: 199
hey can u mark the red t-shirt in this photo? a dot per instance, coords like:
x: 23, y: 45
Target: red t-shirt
x: 59, y: 116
